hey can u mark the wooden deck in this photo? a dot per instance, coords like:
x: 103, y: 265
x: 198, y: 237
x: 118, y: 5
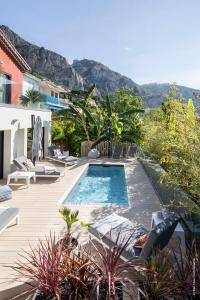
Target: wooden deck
x: 39, y: 214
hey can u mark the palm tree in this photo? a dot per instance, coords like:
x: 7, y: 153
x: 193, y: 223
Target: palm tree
x: 31, y: 97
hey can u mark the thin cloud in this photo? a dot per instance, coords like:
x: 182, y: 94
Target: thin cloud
x: 128, y: 49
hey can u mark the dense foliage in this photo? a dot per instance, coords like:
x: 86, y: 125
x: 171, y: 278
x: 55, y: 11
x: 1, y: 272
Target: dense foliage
x: 67, y: 133
x: 93, y: 119
x: 172, y: 135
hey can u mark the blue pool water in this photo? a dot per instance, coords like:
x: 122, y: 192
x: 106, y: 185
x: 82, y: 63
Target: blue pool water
x: 100, y: 184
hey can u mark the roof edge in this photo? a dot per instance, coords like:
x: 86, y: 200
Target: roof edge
x: 20, y: 61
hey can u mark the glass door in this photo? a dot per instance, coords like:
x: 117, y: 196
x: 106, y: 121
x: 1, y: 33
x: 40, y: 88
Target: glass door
x: 5, y: 85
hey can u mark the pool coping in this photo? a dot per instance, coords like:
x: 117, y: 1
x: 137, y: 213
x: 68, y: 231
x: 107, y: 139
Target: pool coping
x: 70, y: 188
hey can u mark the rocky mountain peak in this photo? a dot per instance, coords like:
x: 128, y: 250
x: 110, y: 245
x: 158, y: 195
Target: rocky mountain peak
x: 45, y: 62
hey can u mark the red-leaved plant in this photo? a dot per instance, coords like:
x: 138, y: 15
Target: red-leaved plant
x: 112, y: 271
x: 43, y: 267
x: 80, y: 274
x: 172, y: 273
x: 186, y: 269
x: 157, y: 279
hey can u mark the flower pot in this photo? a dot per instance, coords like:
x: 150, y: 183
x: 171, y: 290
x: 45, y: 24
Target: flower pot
x: 101, y: 294
x: 42, y: 296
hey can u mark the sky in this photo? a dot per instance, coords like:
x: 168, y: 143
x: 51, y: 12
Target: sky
x: 146, y: 40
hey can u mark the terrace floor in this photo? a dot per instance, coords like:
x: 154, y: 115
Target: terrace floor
x: 39, y: 214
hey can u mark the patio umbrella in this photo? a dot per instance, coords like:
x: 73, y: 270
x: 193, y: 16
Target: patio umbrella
x: 37, y: 140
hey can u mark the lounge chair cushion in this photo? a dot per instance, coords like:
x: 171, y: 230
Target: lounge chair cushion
x: 57, y: 152
x: 20, y: 163
x: 5, y: 193
x: 52, y: 148
x: 7, y: 214
x: 107, y: 230
x: 70, y: 158
x: 48, y: 171
x: 44, y: 170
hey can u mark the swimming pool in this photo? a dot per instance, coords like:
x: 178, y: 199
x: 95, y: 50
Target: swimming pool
x: 101, y: 185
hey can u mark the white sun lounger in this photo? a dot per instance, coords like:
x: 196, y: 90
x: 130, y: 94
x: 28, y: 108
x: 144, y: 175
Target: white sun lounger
x: 8, y: 216
x: 40, y: 171
x: 63, y: 159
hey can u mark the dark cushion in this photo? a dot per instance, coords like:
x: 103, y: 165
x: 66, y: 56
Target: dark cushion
x: 160, y: 235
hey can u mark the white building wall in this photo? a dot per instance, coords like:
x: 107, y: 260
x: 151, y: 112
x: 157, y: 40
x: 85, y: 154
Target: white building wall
x: 14, y: 121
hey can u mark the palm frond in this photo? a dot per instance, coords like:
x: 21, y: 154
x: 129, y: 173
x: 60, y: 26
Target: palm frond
x: 89, y: 94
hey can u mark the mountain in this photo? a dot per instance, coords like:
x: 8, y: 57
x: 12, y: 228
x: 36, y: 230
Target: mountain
x: 107, y: 80
x: 83, y: 73
x: 153, y: 94
x: 44, y: 62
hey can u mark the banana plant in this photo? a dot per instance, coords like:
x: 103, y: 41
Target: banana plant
x: 83, y: 114
x: 113, y: 122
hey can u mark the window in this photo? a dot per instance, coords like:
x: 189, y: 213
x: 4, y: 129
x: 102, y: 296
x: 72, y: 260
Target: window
x: 5, y: 88
x: 56, y: 95
x: 52, y: 93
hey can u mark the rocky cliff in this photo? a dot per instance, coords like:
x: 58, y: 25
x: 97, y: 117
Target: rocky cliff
x: 106, y: 80
x: 44, y: 62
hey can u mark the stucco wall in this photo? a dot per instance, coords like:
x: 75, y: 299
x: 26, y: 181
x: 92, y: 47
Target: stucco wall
x: 10, y: 116
x: 14, y: 121
x: 11, y: 69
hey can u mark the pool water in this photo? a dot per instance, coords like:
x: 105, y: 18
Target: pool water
x: 101, y: 185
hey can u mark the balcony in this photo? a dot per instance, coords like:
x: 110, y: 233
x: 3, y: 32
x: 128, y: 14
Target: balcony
x: 55, y: 103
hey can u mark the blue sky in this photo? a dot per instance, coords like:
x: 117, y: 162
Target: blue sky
x: 146, y: 40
